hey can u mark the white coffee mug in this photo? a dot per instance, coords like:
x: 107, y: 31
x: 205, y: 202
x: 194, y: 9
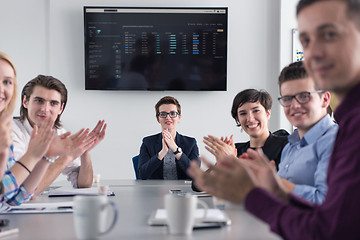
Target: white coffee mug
x: 90, y: 215
x: 180, y: 210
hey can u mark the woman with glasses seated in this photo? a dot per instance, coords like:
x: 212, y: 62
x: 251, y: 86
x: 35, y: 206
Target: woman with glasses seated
x: 167, y: 155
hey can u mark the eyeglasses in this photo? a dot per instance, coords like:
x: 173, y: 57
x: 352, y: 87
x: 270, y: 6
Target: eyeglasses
x: 302, y: 98
x: 172, y: 114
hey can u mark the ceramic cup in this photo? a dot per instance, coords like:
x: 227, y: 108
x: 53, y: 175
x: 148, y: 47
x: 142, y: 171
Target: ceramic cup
x: 180, y: 210
x: 96, y: 178
x: 219, y: 203
x: 91, y: 214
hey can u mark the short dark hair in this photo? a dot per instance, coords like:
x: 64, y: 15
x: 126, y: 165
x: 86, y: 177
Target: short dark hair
x: 353, y: 8
x: 48, y: 82
x: 250, y: 95
x: 293, y: 71
x: 167, y: 100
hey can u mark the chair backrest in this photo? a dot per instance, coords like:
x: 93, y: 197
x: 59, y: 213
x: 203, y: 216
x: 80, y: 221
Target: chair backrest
x: 135, y: 161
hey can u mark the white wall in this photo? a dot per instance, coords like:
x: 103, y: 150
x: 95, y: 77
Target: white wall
x: 288, y: 22
x: 46, y: 36
x: 23, y: 36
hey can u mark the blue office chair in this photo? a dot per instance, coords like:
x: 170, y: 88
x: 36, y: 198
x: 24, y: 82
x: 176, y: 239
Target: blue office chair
x: 135, y: 161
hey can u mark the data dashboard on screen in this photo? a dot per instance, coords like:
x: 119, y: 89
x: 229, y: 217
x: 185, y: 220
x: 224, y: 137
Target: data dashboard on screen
x: 155, y: 48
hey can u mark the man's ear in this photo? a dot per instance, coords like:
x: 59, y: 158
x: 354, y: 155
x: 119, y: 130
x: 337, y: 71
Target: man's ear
x: 61, y: 109
x: 326, y: 96
x: 25, y: 102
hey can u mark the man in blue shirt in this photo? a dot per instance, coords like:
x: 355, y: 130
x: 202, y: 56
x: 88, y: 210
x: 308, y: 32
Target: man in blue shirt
x: 304, y: 160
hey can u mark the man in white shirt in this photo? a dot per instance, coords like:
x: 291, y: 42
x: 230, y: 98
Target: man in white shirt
x: 45, y: 97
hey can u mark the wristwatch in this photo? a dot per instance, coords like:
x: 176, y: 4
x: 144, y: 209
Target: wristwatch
x: 50, y: 160
x: 178, y: 150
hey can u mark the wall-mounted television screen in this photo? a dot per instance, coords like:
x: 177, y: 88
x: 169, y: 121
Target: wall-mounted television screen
x: 155, y: 48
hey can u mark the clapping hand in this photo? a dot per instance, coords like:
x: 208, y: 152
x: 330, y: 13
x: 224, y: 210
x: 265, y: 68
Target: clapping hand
x: 65, y: 144
x: 5, y: 140
x: 169, y: 140
x: 233, y: 178
x: 229, y: 180
x: 263, y: 172
x: 219, y: 147
x: 41, y: 139
x: 229, y: 140
x: 5, y: 132
x: 99, y: 133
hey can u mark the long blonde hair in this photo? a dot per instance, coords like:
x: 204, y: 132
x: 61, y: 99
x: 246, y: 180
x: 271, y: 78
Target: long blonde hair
x: 11, y: 106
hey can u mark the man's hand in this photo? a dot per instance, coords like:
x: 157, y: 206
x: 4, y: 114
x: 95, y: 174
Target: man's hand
x: 288, y: 186
x: 99, y: 133
x: 263, y: 172
x: 229, y: 180
x: 40, y: 139
x: 75, y: 144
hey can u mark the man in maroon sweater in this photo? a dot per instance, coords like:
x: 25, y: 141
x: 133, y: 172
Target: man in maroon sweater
x: 330, y: 35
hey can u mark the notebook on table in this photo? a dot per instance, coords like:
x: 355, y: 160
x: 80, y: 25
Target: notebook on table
x: 69, y: 192
x: 213, y: 215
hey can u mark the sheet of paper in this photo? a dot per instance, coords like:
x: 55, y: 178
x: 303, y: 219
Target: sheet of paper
x: 69, y: 191
x: 4, y: 232
x: 212, y: 215
x: 52, y: 207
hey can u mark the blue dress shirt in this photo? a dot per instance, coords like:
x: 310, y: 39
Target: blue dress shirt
x: 304, y: 161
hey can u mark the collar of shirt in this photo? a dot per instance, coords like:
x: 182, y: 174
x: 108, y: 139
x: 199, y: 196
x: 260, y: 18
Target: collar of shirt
x: 28, y: 127
x: 313, y: 134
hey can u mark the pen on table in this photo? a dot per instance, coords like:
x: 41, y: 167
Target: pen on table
x: 64, y: 207
x: 110, y: 193
x: 25, y: 209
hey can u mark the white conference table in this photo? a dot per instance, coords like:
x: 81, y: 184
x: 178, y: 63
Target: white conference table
x: 136, y: 200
